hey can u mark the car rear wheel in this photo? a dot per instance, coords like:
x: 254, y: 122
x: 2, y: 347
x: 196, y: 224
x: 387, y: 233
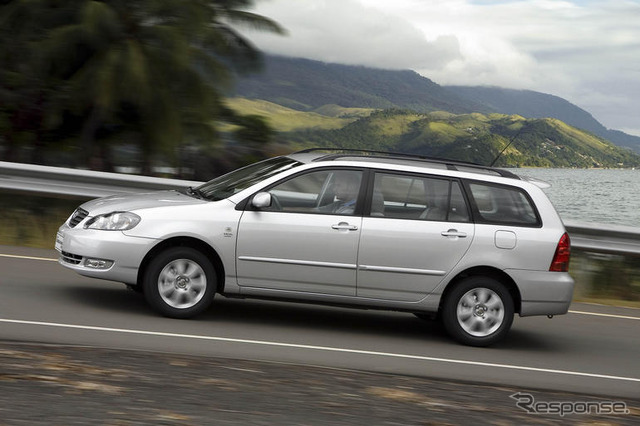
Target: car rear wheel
x: 180, y: 283
x: 478, y: 311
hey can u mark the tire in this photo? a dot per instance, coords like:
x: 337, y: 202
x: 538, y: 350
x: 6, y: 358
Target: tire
x: 478, y: 311
x: 180, y: 283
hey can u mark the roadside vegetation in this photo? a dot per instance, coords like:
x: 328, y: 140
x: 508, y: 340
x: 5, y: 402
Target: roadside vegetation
x: 606, y: 279
x: 81, y: 78
x: 32, y: 221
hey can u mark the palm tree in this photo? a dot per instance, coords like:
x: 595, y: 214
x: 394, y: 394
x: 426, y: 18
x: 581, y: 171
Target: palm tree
x: 152, y: 68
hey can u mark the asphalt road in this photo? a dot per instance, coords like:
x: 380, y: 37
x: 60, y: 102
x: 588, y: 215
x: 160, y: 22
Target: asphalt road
x: 592, y: 350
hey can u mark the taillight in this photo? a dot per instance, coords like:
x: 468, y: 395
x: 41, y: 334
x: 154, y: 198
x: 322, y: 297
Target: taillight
x: 560, y: 262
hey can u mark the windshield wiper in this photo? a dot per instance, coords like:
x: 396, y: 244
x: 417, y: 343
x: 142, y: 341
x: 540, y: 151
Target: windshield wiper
x: 195, y: 192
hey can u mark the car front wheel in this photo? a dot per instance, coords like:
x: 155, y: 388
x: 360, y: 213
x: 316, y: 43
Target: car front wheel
x: 478, y: 311
x: 180, y: 283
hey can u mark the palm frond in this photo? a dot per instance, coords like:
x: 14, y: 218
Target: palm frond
x: 253, y: 20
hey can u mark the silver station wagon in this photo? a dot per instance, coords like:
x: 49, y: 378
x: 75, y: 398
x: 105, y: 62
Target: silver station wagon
x: 467, y: 244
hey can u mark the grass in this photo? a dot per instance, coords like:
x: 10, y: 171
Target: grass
x: 285, y: 119
x: 342, y: 112
x: 395, y: 125
x: 608, y: 302
x: 32, y: 221
x: 573, y: 133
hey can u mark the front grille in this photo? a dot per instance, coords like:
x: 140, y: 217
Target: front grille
x: 73, y: 259
x: 77, y: 217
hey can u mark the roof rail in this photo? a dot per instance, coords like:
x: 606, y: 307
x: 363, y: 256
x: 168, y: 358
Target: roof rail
x: 338, y: 153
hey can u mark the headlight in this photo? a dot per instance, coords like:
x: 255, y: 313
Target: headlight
x: 115, y: 221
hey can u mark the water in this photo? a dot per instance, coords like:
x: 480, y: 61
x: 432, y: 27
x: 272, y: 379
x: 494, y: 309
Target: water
x: 606, y: 196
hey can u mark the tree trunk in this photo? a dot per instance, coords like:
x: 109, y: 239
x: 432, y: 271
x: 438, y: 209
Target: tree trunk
x: 89, y: 156
x: 11, y: 151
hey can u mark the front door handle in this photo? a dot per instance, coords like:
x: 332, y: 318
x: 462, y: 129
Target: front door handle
x: 453, y: 233
x: 344, y: 226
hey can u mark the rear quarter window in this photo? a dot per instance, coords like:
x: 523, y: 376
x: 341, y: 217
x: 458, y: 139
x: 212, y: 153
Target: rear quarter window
x: 502, y: 204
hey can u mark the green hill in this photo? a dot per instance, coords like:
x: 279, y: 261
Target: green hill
x: 285, y: 119
x: 472, y: 137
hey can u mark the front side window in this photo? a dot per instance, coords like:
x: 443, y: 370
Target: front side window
x: 503, y: 205
x: 226, y: 185
x: 417, y: 197
x: 320, y: 192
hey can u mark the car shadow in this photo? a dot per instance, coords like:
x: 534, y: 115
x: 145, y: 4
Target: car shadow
x: 116, y: 299
x: 527, y: 341
x: 323, y: 317
x: 403, y: 325
x: 250, y: 312
x: 302, y: 316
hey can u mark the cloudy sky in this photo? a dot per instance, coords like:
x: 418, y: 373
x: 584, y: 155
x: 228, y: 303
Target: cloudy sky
x: 586, y: 51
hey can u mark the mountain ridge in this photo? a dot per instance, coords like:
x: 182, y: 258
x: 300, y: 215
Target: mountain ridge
x: 532, y: 104
x: 306, y: 85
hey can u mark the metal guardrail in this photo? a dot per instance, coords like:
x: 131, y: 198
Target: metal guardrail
x: 29, y: 178
x: 79, y: 183
x: 606, y: 239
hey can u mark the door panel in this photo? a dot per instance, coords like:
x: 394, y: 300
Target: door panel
x: 405, y: 260
x: 298, y: 252
x: 307, y: 239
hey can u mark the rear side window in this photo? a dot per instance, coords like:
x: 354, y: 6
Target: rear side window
x: 401, y: 196
x: 503, y: 205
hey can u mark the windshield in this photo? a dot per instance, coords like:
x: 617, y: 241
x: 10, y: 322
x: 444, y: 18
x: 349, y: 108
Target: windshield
x: 233, y: 182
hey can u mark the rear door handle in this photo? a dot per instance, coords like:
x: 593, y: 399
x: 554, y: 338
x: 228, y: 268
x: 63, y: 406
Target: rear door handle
x: 453, y: 233
x: 344, y: 226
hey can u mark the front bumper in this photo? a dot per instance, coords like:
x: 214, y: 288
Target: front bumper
x: 109, y: 255
x: 543, y: 293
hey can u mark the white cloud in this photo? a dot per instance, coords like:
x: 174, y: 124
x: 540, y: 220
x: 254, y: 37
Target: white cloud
x: 349, y: 32
x: 584, y: 51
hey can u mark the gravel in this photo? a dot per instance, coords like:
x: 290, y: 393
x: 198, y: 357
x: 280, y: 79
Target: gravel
x: 65, y: 385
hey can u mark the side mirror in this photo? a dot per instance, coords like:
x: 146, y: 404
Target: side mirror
x: 261, y: 200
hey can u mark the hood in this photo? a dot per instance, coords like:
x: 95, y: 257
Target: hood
x: 133, y: 202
